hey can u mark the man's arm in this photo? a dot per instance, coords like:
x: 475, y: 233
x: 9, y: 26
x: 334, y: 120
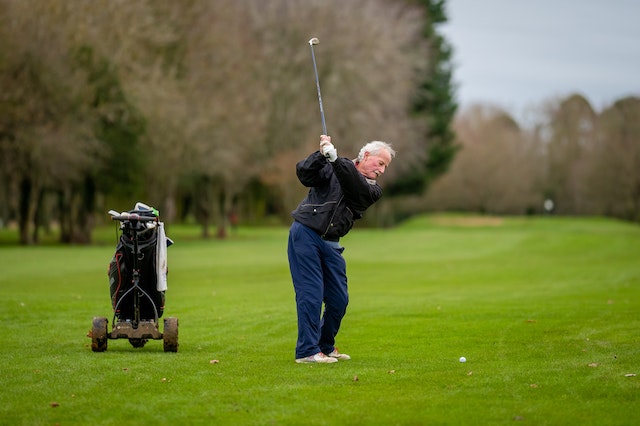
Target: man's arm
x: 313, y: 170
x: 359, y: 192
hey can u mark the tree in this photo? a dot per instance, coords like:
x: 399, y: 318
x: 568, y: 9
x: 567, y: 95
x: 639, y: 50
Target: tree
x: 572, y: 126
x: 251, y: 99
x: 495, y: 170
x: 47, y: 143
x: 613, y: 177
x: 434, y: 103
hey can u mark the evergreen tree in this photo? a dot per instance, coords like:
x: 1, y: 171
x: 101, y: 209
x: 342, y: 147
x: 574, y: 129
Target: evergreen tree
x: 434, y: 102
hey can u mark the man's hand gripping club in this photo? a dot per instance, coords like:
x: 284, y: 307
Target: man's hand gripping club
x: 327, y: 149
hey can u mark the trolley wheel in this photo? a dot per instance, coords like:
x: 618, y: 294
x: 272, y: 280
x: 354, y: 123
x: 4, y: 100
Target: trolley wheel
x: 138, y: 343
x: 170, y: 335
x: 99, y: 334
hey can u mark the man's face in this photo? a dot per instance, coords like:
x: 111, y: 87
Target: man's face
x: 373, y: 165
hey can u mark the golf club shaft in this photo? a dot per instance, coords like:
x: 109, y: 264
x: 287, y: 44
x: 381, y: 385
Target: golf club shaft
x: 315, y: 70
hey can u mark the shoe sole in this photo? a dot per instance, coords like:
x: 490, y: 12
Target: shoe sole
x: 304, y: 361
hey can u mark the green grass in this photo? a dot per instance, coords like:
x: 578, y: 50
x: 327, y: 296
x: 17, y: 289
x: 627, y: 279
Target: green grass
x: 546, y: 311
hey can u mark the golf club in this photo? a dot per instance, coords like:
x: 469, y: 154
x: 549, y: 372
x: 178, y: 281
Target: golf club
x: 313, y: 41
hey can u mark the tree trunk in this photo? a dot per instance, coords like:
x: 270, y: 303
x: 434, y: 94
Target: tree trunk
x: 27, y: 210
x: 66, y: 221
x: 84, y: 209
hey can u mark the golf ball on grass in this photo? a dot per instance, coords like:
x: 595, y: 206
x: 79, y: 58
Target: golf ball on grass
x: 463, y: 359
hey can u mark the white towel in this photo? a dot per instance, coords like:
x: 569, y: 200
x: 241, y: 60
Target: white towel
x: 161, y: 258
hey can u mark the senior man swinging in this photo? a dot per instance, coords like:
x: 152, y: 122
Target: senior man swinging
x: 340, y: 191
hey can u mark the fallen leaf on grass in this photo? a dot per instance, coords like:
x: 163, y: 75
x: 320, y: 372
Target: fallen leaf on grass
x: 531, y: 320
x: 593, y: 364
x: 470, y: 373
x: 54, y: 404
x: 630, y: 375
x: 214, y: 361
x: 355, y: 378
x: 533, y: 385
x: 391, y: 371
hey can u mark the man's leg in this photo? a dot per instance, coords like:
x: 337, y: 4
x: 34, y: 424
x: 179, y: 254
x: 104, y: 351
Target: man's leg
x: 336, y: 296
x: 306, y: 273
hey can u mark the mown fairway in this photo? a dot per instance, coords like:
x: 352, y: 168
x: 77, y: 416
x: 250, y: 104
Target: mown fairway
x: 546, y: 311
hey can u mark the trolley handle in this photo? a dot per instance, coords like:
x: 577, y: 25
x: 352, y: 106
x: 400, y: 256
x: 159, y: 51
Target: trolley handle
x: 123, y: 217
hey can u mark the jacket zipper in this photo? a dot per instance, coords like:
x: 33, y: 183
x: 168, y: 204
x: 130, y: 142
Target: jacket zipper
x: 333, y: 214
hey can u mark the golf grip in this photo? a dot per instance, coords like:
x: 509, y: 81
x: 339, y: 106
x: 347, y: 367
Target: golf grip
x: 315, y: 70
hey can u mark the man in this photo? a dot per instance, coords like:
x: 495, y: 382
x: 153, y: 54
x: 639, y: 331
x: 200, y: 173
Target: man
x: 340, y: 191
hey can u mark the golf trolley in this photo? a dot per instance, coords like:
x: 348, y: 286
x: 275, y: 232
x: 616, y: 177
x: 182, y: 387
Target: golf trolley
x: 137, y: 284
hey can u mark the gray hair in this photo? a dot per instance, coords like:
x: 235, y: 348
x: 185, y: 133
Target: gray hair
x: 374, y: 148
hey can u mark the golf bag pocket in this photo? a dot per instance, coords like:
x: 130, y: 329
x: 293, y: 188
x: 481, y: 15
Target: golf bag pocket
x: 121, y: 281
x: 117, y: 273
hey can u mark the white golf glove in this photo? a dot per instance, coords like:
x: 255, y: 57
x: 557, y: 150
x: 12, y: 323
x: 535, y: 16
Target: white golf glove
x: 329, y: 151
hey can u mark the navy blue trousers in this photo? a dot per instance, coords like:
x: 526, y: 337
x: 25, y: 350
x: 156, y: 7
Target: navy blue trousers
x: 319, y: 275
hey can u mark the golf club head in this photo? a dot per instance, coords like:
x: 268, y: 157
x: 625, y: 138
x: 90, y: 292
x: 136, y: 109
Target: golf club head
x: 314, y: 41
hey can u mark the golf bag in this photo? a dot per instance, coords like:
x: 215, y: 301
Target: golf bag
x: 121, y: 269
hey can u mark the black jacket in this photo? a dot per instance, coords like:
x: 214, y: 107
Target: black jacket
x: 339, y: 195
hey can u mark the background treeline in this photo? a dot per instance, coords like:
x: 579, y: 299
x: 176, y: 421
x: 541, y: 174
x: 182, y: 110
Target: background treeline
x: 585, y: 162
x: 201, y: 108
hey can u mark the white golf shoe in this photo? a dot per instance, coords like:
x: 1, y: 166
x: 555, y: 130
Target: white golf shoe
x: 337, y: 355
x: 318, y: 358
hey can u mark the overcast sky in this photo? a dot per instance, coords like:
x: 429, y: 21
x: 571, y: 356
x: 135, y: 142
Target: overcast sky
x: 519, y: 53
